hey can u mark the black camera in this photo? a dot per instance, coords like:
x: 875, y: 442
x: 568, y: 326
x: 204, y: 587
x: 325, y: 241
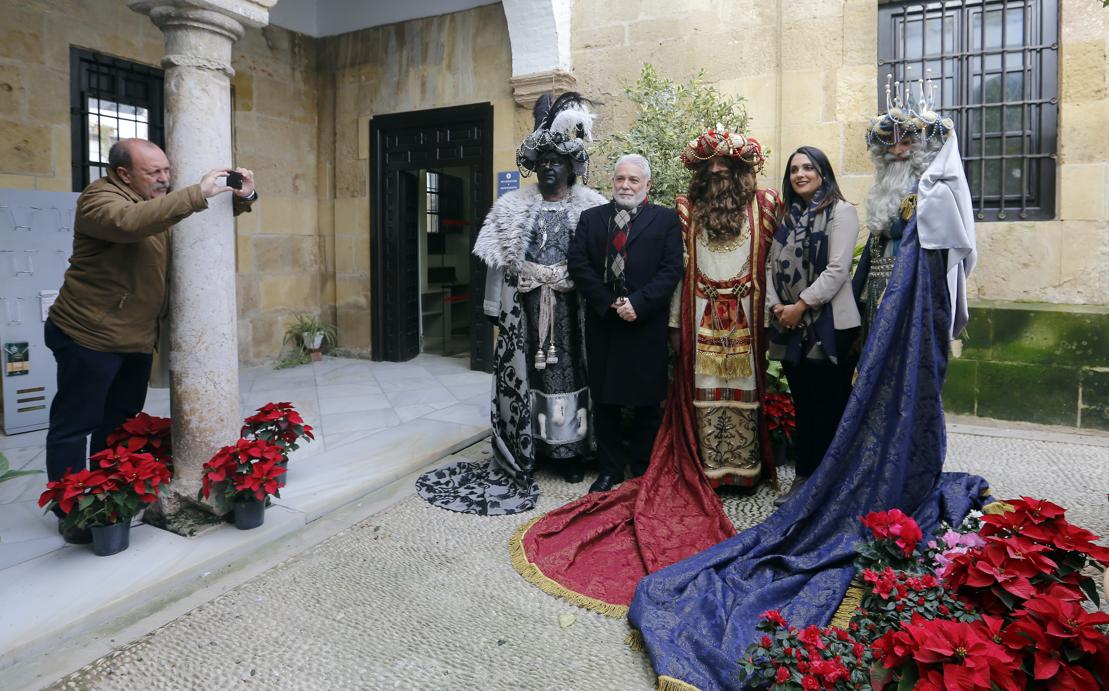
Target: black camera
x: 235, y: 180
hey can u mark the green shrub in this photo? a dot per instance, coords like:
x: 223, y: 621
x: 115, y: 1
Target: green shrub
x: 670, y: 115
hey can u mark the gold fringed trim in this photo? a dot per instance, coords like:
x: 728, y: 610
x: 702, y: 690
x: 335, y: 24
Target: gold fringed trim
x: 671, y: 684
x: 852, y: 600
x: 723, y: 364
x: 996, y: 507
x: 533, y: 575
x: 634, y: 640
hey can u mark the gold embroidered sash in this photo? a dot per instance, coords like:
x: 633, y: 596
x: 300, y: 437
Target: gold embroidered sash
x: 724, y: 338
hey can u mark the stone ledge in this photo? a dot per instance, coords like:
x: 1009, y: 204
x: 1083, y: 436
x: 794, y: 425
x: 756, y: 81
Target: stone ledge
x: 42, y: 608
x: 527, y: 88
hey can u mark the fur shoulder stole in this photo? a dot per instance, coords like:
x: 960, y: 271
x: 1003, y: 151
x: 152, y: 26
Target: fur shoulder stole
x: 504, y: 235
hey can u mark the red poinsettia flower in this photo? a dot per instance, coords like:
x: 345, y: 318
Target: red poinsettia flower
x: 250, y: 466
x: 1068, y: 621
x: 278, y: 423
x: 261, y: 481
x: 144, y: 433
x: 991, y: 566
x: 1019, y: 547
x: 143, y: 474
x: 1036, y: 510
x: 962, y: 655
x: 1075, y: 539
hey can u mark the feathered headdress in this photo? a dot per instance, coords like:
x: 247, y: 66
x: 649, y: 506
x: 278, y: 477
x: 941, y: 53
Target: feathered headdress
x: 563, y: 127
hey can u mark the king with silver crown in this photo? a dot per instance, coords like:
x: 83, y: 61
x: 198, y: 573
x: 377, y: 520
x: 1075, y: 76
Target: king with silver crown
x: 914, y: 149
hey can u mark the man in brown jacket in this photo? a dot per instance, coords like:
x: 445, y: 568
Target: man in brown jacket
x: 104, y: 324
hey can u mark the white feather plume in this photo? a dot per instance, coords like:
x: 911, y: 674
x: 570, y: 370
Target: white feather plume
x: 569, y: 119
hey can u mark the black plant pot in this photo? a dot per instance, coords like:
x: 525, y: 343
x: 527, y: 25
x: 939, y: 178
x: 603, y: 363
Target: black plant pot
x: 249, y: 513
x: 111, y: 539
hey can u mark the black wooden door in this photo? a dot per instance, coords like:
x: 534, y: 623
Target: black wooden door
x: 404, y: 143
x: 401, y: 298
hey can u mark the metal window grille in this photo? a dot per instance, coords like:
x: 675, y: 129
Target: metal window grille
x: 995, y: 64
x: 110, y: 99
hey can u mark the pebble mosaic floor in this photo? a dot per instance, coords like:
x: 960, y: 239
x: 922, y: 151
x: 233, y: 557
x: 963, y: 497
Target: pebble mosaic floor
x: 420, y: 598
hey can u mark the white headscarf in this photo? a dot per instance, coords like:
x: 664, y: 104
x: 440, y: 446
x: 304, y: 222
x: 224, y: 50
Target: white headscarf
x: 945, y: 220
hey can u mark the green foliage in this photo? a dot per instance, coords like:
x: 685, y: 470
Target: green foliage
x: 298, y: 358
x: 299, y: 333
x: 6, y: 473
x: 307, y: 325
x: 669, y: 116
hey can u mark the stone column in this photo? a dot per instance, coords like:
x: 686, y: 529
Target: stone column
x: 203, y: 351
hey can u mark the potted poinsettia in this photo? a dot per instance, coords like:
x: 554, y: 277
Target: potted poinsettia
x: 279, y: 424
x: 107, y: 496
x: 781, y: 416
x: 1004, y: 601
x: 145, y: 433
x: 245, y: 474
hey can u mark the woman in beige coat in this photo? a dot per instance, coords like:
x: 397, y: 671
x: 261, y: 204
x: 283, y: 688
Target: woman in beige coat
x: 814, y: 319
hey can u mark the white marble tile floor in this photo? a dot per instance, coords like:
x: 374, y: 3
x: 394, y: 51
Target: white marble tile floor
x: 375, y: 423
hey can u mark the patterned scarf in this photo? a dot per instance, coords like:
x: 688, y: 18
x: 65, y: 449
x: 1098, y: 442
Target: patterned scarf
x: 616, y: 254
x: 798, y: 255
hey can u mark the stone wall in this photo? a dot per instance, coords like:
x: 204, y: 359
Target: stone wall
x: 807, y: 69
x: 274, y: 122
x: 281, y: 254
x: 450, y: 60
x: 1034, y: 364
x: 302, y: 110
x: 34, y: 79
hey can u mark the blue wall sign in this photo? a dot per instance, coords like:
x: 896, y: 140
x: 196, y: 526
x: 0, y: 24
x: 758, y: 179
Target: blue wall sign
x: 507, y: 180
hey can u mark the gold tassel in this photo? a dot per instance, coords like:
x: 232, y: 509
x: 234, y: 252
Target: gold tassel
x: 634, y: 640
x: 723, y: 364
x: 671, y: 684
x: 997, y: 507
x: 852, y: 600
x: 533, y: 575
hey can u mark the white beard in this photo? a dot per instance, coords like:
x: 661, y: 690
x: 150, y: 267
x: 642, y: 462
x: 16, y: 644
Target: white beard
x: 630, y: 203
x: 893, y: 180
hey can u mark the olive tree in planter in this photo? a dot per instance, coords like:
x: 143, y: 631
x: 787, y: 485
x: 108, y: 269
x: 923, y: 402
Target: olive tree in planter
x: 669, y: 115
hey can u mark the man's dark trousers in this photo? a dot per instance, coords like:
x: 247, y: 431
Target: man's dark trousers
x: 96, y: 392
x: 610, y: 451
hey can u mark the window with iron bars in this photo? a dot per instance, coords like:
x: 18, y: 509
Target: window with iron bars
x: 110, y: 99
x: 995, y: 64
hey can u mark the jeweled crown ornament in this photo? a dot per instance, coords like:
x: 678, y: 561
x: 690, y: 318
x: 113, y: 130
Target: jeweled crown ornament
x: 723, y: 141
x: 903, y: 117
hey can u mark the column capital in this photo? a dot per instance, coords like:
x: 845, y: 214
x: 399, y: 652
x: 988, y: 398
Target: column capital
x: 227, y: 17
x: 527, y: 88
x: 199, y: 33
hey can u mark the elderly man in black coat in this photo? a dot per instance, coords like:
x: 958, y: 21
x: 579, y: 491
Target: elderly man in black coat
x: 626, y: 260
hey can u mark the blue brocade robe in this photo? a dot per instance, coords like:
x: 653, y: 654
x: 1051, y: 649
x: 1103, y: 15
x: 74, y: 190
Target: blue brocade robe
x: 698, y: 616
